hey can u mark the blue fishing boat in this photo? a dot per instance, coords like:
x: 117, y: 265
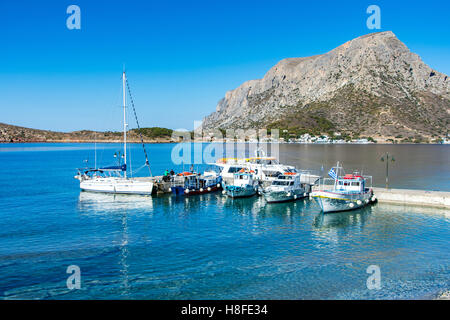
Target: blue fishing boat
x: 243, y: 185
x: 344, y: 192
x: 192, y: 183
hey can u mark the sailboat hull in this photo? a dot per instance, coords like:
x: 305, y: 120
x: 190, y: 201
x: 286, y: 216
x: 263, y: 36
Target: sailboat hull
x: 118, y: 186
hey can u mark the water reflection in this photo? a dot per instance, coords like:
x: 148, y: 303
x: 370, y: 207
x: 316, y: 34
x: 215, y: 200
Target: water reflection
x: 124, y: 252
x: 187, y: 205
x: 104, y: 203
x: 342, y: 219
x: 339, y: 227
x: 405, y: 209
x: 120, y: 206
x: 244, y: 206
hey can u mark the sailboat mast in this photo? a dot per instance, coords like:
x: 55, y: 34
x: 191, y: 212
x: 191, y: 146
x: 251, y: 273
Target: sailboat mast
x: 124, y: 124
x: 95, y: 150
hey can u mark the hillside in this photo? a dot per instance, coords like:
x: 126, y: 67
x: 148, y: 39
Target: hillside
x: 371, y: 86
x: 10, y: 133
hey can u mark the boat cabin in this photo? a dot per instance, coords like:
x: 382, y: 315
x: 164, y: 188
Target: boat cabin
x: 196, y: 181
x: 350, y: 182
x: 230, y: 170
x: 287, y: 179
x: 95, y: 173
x: 242, y: 179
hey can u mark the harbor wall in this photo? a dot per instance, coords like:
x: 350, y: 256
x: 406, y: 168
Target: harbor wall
x: 415, y: 197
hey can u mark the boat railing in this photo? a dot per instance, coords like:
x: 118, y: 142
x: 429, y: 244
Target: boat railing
x: 310, y: 177
x: 177, y: 181
x: 326, y: 184
x: 329, y: 184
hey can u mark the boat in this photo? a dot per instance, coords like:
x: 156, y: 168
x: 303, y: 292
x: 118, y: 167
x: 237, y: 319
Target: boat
x: 265, y: 170
x: 286, y: 187
x: 114, y: 179
x: 344, y: 192
x: 192, y: 183
x: 243, y: 185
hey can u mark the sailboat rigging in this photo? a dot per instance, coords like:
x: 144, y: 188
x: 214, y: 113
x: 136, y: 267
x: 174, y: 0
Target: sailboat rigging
x: 114, y: 179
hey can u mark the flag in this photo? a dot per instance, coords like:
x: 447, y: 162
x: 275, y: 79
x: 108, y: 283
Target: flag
x: 332, y: 173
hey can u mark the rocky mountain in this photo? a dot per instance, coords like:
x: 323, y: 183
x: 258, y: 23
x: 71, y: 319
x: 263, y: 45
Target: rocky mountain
x: 10, y: 133
x: 370, y: 86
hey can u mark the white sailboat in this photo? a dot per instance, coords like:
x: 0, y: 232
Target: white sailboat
x: 114, y: 179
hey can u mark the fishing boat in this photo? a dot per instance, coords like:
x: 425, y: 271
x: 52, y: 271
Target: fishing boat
x: 344, y: 192
x: 243, y: 185
x: 287, y: 187
x: 114, y: 179
x: 192, y: 183
x: 265, y: 169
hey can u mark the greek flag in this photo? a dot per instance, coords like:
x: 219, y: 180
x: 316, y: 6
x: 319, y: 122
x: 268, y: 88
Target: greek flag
x: 332, y: 173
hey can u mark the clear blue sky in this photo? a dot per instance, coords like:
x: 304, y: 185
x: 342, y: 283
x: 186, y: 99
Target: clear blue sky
x: 181, y: 56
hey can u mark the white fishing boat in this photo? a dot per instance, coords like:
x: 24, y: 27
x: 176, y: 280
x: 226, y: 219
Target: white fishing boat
x: 344, y: 192
x: 244, y: 185
x: 265, y: 169
x: 286, y: 187
x: 114, y: 179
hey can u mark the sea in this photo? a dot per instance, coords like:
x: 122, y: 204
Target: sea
x: 213, y: 247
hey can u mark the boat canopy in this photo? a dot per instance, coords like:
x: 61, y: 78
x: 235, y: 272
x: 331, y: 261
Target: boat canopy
x: 351, y: 177
x: 114, y: 168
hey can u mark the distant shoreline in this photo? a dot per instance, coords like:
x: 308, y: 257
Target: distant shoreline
x: 170, y: 141
x: 86, y: 141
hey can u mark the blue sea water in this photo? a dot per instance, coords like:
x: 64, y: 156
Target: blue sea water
x: 211, y: 247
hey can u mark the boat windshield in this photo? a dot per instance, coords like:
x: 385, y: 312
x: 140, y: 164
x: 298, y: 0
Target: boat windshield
x: 234, y: 169
x: 272, y: 174
x: 268, y: 162
x: 282, y: 183
x: 264, y: 161
x: 283, y: 177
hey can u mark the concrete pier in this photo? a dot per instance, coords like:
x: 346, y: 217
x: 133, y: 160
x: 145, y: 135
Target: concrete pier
x: 438, y: 199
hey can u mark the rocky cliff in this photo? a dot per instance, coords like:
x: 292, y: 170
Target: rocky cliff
x: 370, y: 86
